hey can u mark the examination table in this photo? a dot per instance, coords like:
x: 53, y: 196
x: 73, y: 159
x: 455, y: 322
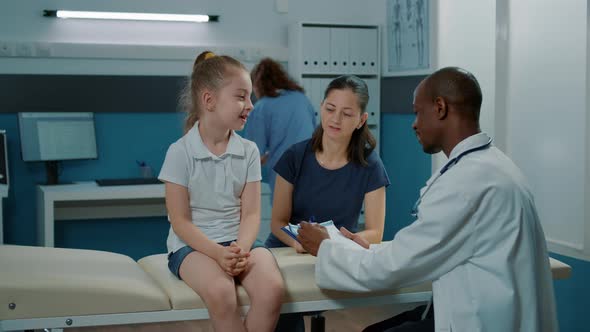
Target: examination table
x: 57, y: 288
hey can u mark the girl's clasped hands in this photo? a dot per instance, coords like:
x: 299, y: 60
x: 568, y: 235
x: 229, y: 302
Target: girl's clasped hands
x: 233, y: 259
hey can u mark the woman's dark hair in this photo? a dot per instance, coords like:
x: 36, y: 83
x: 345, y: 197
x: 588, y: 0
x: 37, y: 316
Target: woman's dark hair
x: 268, y: 76
x: 362, y: 142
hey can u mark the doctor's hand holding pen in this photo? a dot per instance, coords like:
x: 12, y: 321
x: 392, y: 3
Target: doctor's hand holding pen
x: 298, y: 247
x: 311, y: 236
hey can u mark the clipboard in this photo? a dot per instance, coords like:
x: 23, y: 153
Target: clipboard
x: 293, y: 230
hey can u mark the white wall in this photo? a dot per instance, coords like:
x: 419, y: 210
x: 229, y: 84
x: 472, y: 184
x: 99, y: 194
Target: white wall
x: 531, y: 59
x: 547, y: 111
x: 466, y: 37
x: 243, y: 24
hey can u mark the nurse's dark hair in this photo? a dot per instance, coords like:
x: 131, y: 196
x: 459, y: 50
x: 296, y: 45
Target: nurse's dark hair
x: 362, y: 142
x: 457, y: 87
x: 209, y: 72
x: 268, y: 76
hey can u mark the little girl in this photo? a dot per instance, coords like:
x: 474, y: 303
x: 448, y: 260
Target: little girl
x: 212, y: 178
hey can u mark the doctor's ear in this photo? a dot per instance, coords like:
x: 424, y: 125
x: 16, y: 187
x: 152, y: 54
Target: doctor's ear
x: 441, y: 107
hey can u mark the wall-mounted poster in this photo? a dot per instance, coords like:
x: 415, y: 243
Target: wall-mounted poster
x: 408, y: 40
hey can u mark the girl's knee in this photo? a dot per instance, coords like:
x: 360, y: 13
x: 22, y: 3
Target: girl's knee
x: 277, y: 285
x: 274, y: 290
x: 220, y: 296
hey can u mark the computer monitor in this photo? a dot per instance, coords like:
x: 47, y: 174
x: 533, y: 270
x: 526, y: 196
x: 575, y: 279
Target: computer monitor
x: 52, y: 137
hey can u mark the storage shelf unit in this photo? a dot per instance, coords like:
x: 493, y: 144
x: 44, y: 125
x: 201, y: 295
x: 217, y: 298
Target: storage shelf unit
x: 320, y: 52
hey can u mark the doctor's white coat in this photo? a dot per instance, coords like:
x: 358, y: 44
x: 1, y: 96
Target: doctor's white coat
x: 477, y: 237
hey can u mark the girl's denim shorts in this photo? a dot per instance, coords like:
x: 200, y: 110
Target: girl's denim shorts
x: 175, y: 258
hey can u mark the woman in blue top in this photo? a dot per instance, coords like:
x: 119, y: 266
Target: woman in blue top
x: 331, y: 175
x: 282, y: 116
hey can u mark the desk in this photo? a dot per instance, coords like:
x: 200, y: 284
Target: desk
x: 87, y: 200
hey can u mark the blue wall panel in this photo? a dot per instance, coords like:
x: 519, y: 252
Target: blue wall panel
x: 573, y: 296
x: 408, y: 168
x: 122, y: 139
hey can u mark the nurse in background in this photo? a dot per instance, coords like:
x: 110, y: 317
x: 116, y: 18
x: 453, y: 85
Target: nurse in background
x: 282, y: 115
x: 476, y: 236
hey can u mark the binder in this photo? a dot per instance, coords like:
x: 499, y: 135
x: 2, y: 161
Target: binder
x: 372, y: 107
x: 355, y: 51
x: 310, y: 93
x: 3, y: 161
x: 318, y: 96
x: 368, y: 38
x: 339, y: 40
x: 315, y: 49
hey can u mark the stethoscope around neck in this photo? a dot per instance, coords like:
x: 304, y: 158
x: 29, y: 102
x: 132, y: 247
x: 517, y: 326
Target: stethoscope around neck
x: 444, y: 169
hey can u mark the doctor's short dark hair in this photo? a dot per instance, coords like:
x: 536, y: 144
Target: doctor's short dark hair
x: 362, y: 142
x: 456, y: 86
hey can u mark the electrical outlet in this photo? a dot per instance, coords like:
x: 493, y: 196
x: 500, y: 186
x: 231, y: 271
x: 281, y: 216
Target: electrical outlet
x: 24, y: 49
x: 6, y: 49
x: 258, y: 54
x: 43, y: 50
x: 253, y: 54
x: 282, y: 6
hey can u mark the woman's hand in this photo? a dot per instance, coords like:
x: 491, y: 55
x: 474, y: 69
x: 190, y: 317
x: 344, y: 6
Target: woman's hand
x: 232, y: 259
x: 355, y: 237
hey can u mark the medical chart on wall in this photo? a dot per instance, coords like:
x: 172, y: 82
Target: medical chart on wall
x: 407, y: 35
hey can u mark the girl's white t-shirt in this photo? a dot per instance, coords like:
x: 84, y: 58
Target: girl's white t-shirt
x: 215, y: 183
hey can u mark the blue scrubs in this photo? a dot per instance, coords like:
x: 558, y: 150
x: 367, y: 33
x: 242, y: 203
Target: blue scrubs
x: 276, y: 123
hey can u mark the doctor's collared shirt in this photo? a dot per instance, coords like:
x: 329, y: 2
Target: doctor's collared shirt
x: 215, y: 183
x: 477, y: 238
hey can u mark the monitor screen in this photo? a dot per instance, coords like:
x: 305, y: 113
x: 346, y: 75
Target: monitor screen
x: 57, y: 136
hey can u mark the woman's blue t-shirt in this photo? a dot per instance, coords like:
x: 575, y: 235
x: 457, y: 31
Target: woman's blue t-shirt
x: 336, y: 195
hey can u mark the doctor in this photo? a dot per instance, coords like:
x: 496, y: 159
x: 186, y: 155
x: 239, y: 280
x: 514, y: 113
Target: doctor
x: 477, y: 235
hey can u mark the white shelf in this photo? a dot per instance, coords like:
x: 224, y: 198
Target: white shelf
x: 17, y: 57
x: 85, y: 191
x: 320, y: 52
